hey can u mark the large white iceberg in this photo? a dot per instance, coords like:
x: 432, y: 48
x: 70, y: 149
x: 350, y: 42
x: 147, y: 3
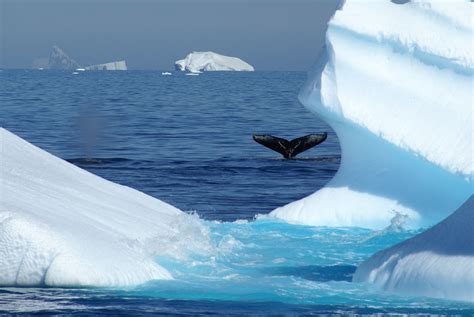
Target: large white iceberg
x: 210, y: 61
x: 394, y: 81
x: 437, y: 263
x: 63, y: 226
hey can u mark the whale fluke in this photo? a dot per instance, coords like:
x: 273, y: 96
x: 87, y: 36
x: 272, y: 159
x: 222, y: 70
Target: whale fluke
x: 289, y: 149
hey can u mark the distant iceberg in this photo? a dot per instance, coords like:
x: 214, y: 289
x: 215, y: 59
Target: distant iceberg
x: 58, y: 59
x: 118, y: 65
x: 210, y: 61
x: 399, y: 97
x: 437, y: 263
x: 63, y: 226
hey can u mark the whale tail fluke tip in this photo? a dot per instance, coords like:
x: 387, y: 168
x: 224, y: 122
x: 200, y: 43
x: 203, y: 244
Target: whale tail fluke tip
x: 289, y: 149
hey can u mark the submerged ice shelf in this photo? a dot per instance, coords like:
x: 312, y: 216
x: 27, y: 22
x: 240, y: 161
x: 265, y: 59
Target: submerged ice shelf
x: 63, y: 226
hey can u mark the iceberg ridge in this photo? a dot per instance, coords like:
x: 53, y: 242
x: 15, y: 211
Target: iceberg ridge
x: 399, y: 97
x: 63, y: 226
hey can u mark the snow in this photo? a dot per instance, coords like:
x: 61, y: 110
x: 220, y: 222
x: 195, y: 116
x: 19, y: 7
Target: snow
x: 210, y: 61
x: 399, y: 97
x: 63, y: 226
x: 437, y: 263
x: 119, y: 65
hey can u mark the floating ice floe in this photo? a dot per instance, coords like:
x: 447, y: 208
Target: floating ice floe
x: 63, y: 226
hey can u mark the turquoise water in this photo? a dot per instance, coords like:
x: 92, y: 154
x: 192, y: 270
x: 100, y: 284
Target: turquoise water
x: 187, y: 140
x: 267, y: 260
x: 262, y: 267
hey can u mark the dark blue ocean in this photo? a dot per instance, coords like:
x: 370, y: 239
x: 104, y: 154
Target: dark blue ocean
x: 187, y: 140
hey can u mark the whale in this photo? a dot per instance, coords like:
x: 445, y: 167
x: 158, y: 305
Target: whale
x: 289, y: 149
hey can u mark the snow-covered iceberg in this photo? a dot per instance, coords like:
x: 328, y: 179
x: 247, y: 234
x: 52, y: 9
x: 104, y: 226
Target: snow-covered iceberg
x: 118, y: 65
x: 63, y: 226
x: 210, y: 61
x: 394, y: 81
x: 437, y: 263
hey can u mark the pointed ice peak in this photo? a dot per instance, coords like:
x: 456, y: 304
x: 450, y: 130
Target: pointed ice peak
x: 58, y: 59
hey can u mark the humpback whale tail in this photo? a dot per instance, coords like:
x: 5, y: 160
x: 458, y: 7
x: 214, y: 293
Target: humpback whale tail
x: 289, y: 149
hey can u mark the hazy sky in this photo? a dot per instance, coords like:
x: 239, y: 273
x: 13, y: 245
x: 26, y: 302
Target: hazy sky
x: 269, y: 34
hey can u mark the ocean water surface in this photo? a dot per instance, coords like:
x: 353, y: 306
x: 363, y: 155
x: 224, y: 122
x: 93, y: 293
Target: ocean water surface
x: 187, y: 140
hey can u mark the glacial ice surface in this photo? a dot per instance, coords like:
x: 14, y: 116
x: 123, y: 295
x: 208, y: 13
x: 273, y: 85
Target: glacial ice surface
x: 63, y: 226
x: 399, y: 97
x: 437, y: 263
x: 209, y: 61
